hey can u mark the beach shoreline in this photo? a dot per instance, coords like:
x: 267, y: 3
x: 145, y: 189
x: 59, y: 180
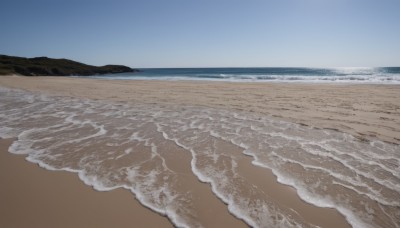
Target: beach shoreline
x: 368, y: 112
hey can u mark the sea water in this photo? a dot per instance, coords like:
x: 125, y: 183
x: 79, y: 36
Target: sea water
x: 387, y: 75
x: 112, y: 145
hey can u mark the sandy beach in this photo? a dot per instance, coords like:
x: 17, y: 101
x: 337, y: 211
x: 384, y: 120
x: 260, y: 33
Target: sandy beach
x: 367, y: 112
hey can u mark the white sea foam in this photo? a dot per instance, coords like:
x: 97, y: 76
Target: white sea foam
x: 113, y: 146
x: 348, y: 78
x: 6, y: 132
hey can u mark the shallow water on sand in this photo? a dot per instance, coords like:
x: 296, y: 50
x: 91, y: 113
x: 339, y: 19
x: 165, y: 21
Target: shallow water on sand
x: 113, y: 145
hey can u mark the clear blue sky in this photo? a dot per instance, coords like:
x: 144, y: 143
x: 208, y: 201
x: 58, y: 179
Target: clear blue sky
x: 205, y: 33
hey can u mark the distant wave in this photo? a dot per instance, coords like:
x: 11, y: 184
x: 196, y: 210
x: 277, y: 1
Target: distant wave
x: 383, y: 75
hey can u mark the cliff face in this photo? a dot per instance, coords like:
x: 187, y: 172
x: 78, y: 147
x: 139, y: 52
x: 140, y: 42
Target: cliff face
x: 56, y: 67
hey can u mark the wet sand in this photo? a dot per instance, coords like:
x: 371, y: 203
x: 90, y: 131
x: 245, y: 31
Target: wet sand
x: 365, y: 111
x: 34, y: 197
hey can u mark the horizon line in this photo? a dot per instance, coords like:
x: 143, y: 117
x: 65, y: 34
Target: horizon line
x: 199, y: 67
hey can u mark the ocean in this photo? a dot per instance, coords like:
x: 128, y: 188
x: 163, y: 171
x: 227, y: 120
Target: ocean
x: 387, y: 75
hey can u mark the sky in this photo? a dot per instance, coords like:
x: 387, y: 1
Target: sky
x: 205, y: 33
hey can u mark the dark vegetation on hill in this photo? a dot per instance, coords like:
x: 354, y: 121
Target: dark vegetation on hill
x: 44, y: 66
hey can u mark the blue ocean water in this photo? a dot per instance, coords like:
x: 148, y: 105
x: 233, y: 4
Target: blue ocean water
x: 273, y: 74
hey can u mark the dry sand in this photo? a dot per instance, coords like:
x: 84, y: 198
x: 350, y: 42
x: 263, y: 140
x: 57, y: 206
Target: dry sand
x: 365, y: 111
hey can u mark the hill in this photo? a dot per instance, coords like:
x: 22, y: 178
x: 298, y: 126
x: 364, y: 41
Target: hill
x: 55, y: 67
